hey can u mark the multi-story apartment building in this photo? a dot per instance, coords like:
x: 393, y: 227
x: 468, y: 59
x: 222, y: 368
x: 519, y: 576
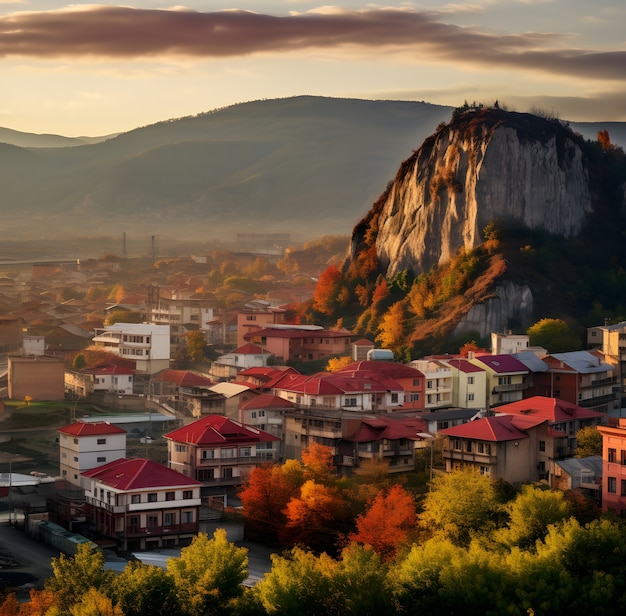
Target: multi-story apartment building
x: 86, y: 445
x: 438, y: 389
x: 469, y: 384
x: 507, y: 377
x: 219, y: 451
x: 142, y: 504
x: 301, y: 342
x: 614, y: 467
x: 257, y: 315
x: 146, y: 344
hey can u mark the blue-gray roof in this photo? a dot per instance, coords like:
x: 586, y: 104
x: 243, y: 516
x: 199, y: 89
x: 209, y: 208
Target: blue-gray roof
x: 583, y: 362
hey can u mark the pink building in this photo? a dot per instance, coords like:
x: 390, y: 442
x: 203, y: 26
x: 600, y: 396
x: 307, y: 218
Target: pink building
x: 614, y: 467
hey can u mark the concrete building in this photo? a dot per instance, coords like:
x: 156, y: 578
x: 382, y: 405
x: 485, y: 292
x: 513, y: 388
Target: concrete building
x: 38, y: 377
x: 86, y: 445
x: 146, y: 344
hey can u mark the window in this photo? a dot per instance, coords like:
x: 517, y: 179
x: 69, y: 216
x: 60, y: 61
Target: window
x: 394, y: 398
x: 612, y: 455
x: 350, y: 402
x: 470, y: 397
x: 101, y: 459
x: 152, y: 497
x: 470, y: 380
x: 205, y: 474
x: 415, y: 397
x: 245, y: 452
x: 227, y: 473
x: 416, y: 382
x: 253, y: 414
x: 542, y: 445
x: 227, y: 452
x: 484, y: 470
x: 169, y: 519
x: 75, y: 441
x: 188, y: 494
x: 457, y: 444
x: 542, y: 467
x: 481, y: 447
x: 187, y: 517
x: 429, y: 384
x: 208, y: 454
x: 623, y: 455
x: 623, y: 487
x: 170, y: 496
x: 180, y: 448
x: 612, y: 485
x: 152, y: 521
x: 468, y: 446
x: 135, y: 499
x: 75, y: 458
x: 504, y: 380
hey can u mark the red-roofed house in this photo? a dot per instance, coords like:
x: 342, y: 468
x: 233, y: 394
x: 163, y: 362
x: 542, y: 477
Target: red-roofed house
x: 562, y: 416
x: 300, y: 342
x: 247, y: 356
x: 266, y: 412
x: 104, y: 378
x: 182, y: 390
x: 507, y: 377
x: 512, y: 448
x: 142, y: 504
x: 382, y: 438
x: 218, y: 451
x: 86, y: 445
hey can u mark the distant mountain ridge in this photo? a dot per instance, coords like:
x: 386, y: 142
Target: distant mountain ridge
x: 307, y: 165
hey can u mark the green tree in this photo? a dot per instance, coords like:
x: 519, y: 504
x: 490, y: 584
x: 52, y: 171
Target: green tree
x: 144, y: 589
x: 530, y: 515
x: 79, y: 362
x: 196, y: 343
x: 208, y: 574
x: 588, y: 442
x: 73, y: 576
x: 460, y: 505
x: 122, y: 316
x: 553, y: 335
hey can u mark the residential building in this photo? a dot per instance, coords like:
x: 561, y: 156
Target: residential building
x: 110, y: 378
x: 226, y: 398
x: 438, y: 390
x: 508, y: 343
x: 257, y: 315
x: 614, y: 467
x: 508, y: 447
x: 142, y: 505
x: 301, y: 342
x: 146, y: 344
x: 360, y: 349
x: 219, y: 451
x: 582, y: 474
x: 266, y: 412
x: 86, y: 445
x: 227, y: 366
x: 182, y: 390
x: 469, y: 384
x: 562, y: 416
x: 507, y: 377
x: 580, y: 377
x: 36, y: 377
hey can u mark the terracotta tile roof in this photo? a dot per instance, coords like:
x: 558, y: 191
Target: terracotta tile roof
x: 139, y: 474
x: 218, y: 430
x: 249, y: 349
x: 383, y: 428
x: 183, y: 378
x: 496, y: 429
x: 464, y: 366
x: 267, y: 401
x: 109, y: 369
x: 552, y: 409
x: 96, y: 428
x: 388, y: 369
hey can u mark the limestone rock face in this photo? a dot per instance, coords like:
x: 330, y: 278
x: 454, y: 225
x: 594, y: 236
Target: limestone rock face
x: 467, y: 175
x: 510, y: 302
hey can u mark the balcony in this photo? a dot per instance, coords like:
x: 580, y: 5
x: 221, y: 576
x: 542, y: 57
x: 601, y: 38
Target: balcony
x: 509, y: 387
x: 245, y: 460
x: 174, y: 529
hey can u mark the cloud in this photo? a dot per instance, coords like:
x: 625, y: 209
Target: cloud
x: 89, y: 31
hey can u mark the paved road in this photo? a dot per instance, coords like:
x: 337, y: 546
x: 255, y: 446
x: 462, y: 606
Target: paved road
x: 27, y: 560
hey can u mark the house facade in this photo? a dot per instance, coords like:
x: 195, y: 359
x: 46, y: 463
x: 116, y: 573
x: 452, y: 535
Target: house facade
x: 141, y: 504
x: 469, y: 384
x: 301, y: 342
x: 86, y: 445
x: 255, y: 316
x: 218, y: 451
x: 507, y: 377
x: 614, y: 467
x: 438, y: 383
x: 146, y: 344
x: 106, y: 378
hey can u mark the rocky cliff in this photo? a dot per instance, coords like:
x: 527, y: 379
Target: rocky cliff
x: 486, y: 165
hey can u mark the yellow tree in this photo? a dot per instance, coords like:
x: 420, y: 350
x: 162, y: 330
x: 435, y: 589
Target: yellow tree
x: 391, y: 329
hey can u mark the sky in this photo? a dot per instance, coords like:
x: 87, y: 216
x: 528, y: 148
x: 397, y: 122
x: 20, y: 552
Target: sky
x: 87, y: 69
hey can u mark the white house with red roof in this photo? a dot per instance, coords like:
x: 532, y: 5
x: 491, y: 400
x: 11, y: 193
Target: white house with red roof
x: 249, y: 355
x: 113, y: 378
x: 182, y: 390
x: 219, y: 451
x: 142, y: 504
x: 266, y: 412
x: 507, y: 377
x: 508, y: 447
x: 87, y: 445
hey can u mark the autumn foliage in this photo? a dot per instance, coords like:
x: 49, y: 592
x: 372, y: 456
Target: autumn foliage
x: 388, y: 522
